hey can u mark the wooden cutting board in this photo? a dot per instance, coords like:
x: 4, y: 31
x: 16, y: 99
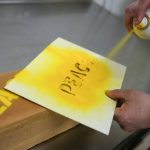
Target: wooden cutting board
x: 25, y: 124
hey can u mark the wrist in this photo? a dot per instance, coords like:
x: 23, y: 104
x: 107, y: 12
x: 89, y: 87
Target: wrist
x: 145, y: 4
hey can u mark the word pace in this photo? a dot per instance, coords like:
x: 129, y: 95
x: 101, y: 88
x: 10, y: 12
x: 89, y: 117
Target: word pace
x: 75, y: 79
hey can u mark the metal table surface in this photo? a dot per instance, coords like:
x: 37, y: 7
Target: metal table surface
x: 25, y: 29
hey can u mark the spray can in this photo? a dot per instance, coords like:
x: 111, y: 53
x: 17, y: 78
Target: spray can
x: 142, y: 30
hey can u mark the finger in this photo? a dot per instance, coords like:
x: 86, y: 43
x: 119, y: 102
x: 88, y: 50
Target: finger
x: 137, y: 20
x: 139, y: 17
x: 116, y: 94
x: 116, y: 114
x: 117, y: 118
x: 128, y: 22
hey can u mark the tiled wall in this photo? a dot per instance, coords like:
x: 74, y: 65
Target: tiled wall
x: 115, y: 6
x: 37, y: 1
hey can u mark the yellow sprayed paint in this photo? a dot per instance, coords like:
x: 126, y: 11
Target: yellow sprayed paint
x: 113, y: 52
x: 6, y: 100
x: 3, y: 109
x: 48, y: 72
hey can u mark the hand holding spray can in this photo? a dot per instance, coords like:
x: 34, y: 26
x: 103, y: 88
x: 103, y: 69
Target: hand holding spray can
x: 142, y: 30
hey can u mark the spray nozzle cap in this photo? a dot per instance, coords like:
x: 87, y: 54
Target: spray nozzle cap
x: 143, y: 24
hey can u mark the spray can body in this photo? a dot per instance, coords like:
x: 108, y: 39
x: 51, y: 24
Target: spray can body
x: 142, y: 30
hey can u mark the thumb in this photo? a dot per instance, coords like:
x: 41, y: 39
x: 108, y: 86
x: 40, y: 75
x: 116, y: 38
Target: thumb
x: 116, y: 94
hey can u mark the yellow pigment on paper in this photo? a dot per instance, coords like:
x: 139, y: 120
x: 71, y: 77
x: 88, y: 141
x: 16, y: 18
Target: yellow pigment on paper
x: 6, y: 100
x: 113, y: 52
x: 71, y: 81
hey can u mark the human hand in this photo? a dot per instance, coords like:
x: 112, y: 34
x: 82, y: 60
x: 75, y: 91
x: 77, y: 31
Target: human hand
x: 134, y: 111
x: 135, y: 12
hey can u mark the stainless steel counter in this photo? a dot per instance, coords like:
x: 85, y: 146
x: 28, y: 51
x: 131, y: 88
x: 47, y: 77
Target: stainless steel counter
x: 25, y: 29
